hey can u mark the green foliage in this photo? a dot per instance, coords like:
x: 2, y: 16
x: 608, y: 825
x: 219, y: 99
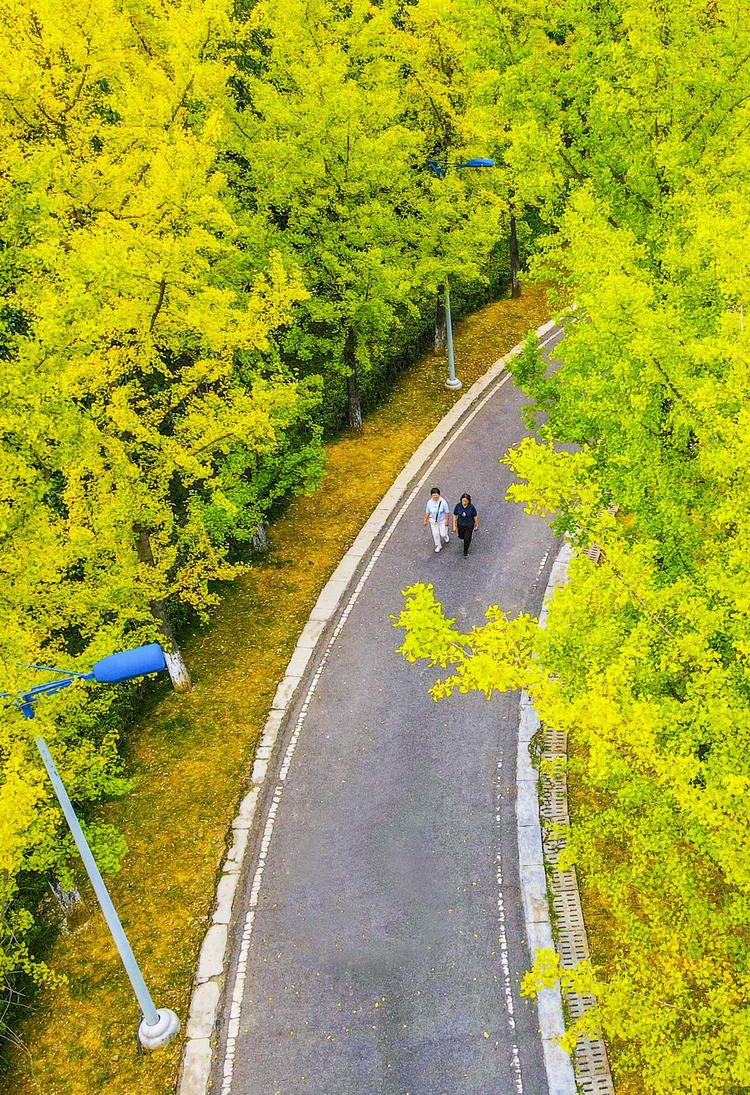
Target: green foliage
x: 546, y: 972
x: 327, y: 159
x: 630, y: 126
x: 529, y: 372
x: 129, y: 410
x: 210, y: 225
x: 495, y: 656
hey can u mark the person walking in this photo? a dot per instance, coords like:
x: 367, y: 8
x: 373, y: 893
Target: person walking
x: 436, y: 512
x: 465, y: 521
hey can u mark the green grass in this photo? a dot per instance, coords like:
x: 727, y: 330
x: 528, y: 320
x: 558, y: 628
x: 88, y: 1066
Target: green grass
x: 190, y: 755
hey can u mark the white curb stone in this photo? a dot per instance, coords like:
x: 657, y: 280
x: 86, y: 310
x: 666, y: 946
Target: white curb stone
x: 527, y: 805
x: 550, y: 1013
x: 200, y: 1023
x: 311, y: 632
x: 370, y: 529
x: 534, y: 894
x: 344, y: 571
x: 592, y: 1065
x: 283, y: 696
x: 224, y: 897
x: 196, y: 1061
x: 528, y: 724
x: 247, y: 808
x: 327, y: 602
x: 539, y: 936
x: 558, y: 1066
x: 211, y: 960
x: 237, y: 851
x: 557, y: 1063
x: 260, y: 767
x: 299, y: 660
x: 527, y: 773
x: 272, y: 725
x: 530, y: 847
x: 196, y: 1065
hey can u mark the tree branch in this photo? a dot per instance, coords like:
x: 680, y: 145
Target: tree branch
x: 214, y: 441
x: 160, y: 301
x: 640, y: 601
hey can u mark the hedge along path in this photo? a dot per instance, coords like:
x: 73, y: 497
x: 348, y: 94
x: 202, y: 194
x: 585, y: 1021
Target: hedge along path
x: 191, y: 755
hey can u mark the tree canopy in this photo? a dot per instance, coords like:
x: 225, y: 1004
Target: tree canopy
x: 213, y: 221
x: 631, y: 120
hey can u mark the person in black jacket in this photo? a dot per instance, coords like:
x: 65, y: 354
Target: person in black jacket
x: 465, y: 521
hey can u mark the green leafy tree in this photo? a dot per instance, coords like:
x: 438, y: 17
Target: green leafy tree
x: 633, y: 118
x: 329, y: 160
x: 145, y: 427
x: 135, y: 298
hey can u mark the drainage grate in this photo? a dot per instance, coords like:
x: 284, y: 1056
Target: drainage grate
x: 594, y: 552
x: 592, y: 1067
x: 591, y: 1064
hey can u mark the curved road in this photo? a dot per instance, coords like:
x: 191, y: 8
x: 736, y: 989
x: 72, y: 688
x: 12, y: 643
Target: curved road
x: 388, y: 942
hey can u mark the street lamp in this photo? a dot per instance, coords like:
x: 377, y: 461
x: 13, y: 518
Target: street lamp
x: 159, y: 1025
x: 439, y: 169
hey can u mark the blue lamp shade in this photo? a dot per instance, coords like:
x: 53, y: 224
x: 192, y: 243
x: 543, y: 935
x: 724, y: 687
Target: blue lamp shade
x: 478, y: 163
x: 129, y: 663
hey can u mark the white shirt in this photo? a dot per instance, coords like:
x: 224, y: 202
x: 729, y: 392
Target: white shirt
x: 436, y: 510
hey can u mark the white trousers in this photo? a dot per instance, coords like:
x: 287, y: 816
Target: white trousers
x: 438, y: 531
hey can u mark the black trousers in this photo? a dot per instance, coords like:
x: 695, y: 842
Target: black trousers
x: 465, y: 532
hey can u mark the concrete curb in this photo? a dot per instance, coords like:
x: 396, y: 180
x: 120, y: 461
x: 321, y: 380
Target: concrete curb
x: 560, y: 1074
x: 214, y: 955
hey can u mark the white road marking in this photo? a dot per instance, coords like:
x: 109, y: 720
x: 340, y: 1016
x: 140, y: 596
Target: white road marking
x: 550, y: 339
x: 541, y: 565
x: 241, y: 973
x: 503, y: 941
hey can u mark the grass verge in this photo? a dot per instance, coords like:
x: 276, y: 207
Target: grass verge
x: 190, y: 755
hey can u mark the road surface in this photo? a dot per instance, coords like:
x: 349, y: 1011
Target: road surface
x: 388, y: 943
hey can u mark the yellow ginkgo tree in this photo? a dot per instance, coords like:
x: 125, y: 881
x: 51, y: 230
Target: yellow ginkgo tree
x: 636, y: 116
x: 145, y: 426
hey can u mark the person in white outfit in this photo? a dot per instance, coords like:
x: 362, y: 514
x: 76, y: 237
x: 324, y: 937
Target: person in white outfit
x: 436, y: 512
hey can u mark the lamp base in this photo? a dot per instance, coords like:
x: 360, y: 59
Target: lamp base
x: 454, y: 384
x: 161, y: 1032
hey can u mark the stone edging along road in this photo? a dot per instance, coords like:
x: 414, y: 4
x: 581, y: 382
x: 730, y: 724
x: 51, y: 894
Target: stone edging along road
x: 557, y: 1063
x: 538, y: 854
x: 214, y: 953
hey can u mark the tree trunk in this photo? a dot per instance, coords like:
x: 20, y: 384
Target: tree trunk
x: 178, y: 673
x: 352, y: 387
x: 68, y: 900
x: 441, y: 325
x: 515, y: 266
x: 260, y: 540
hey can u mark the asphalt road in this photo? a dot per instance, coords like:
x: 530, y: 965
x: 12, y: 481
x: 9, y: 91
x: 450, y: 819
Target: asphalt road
x: 388, y: 942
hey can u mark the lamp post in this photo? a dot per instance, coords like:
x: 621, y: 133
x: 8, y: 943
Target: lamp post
x: 439, y: 169
x: 159, y: 1025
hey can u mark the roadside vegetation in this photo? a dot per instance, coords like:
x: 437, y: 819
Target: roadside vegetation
x: 189, y: 755
x: 636, y: 116
x: 220, y: 242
